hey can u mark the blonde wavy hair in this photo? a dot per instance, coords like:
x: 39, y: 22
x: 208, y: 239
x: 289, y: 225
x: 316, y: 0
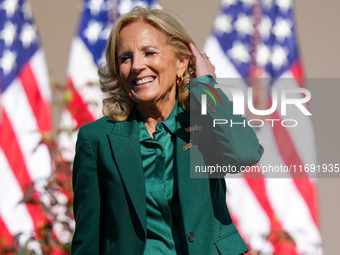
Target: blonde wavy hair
x: 117, y: 105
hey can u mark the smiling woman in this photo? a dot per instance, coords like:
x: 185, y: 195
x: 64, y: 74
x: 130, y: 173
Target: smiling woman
x: 148, y: 67
x: 131, y: 177
x: 140, y: 39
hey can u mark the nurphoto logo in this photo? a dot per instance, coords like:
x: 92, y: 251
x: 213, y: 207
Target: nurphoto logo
x: 302, y: 95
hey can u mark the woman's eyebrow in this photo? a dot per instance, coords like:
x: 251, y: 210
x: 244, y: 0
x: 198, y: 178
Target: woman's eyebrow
x: 149, y: 47
x: 144, y: 48
x: 126, y: 52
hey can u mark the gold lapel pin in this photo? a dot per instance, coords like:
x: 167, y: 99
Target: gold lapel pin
x: 191, y: 129
x: 188, y: 146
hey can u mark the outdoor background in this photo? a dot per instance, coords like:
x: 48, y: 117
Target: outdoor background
x: 318, y: 31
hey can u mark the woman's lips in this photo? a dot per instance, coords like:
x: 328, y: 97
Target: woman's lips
x: 145, y: 81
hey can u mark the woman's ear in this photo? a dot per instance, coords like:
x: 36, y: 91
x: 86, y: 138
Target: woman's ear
x: 183, y: 63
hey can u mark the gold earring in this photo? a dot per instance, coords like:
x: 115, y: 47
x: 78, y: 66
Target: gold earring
x: 179, y: 80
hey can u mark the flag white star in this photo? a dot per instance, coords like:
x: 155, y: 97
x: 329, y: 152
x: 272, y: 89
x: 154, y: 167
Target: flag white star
x: 10, y: 6
x: 8, y: 33
x: 265, y: 27
x: 263, y: 55
x: 267, y: 3
x: 142, y: 4
x: 279, y: 57
x: 227, y: 3
x: 105, y: 33
x: 248, y: 3
x: 109, y: 5
x: 7, y: 62
x: 156, y: 5
x: 244, y: 24
x: 92, y: 31
x: 125, y: 6
x: 239, y: 53
x: 28, y: 35
x: 26, y: 9
x: 284, y: 5
x: 95, y: 6
x: 222, y: 24
x: 282, y: 28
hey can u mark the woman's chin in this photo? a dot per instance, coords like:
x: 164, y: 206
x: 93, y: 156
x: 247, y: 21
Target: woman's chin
x: 144, y: 93
x: 141, y: 98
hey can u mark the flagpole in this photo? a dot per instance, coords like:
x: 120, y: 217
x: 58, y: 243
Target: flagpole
x: 113, y: 10
x: 256, y: 73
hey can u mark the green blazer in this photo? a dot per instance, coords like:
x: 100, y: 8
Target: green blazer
x: 110, y: 197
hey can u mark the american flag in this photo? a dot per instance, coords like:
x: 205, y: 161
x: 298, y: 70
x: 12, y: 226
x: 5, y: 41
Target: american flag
x: 25, y: 117
x: 253, y: 38
x: 87, y: 53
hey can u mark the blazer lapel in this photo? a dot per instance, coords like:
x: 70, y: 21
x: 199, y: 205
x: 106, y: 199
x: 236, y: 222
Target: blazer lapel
x: 124, y: 141
x: 183, y: 156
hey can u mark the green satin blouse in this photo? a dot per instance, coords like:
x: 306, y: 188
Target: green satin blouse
x: 162, y: 205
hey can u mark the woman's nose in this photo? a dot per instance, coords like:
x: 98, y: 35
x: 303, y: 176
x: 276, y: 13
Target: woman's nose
x: 138, y: 63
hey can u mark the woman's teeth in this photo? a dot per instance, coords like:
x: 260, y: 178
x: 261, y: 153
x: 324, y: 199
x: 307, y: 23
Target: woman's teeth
x: 145, y: 80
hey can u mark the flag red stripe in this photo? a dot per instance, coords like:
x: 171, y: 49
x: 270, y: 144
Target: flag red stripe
x: 40, y: 107
x: 12, y: 151
x: 5, y: 236
x: 78, y: 107
x: 290, y: 157
x: 297, y: 71
x: 258, y: 187
x: 257, y: 184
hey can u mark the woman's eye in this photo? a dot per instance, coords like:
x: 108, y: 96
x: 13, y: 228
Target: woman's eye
x: 150, y: 53
x: 124, y: 59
